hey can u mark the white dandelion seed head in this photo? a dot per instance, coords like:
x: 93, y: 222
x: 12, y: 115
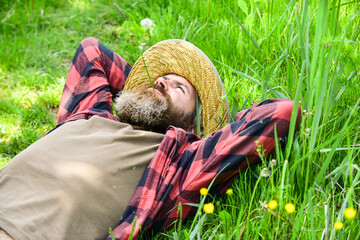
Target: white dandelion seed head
x: 265, y: 172
x: 142, y: 46
x: 147, y: 23
x: 272, y: 163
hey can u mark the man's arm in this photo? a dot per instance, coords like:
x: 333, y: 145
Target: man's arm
x: 95, y: 76
x: 235, y: 147
x: 223, y: 154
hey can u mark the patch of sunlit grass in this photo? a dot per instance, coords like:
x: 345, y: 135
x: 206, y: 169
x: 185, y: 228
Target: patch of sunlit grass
x: 80, y: 5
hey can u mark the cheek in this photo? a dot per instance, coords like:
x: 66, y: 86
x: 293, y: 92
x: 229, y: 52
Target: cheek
x: 177, y: 99
x: 188, y: 105
x: 183, y: 103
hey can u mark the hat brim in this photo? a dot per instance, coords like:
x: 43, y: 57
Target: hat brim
x: 185, y: 59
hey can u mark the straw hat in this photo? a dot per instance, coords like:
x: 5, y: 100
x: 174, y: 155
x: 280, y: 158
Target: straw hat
x: 185, y: 59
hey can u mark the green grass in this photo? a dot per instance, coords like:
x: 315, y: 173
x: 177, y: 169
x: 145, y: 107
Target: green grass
x: 302, y: 50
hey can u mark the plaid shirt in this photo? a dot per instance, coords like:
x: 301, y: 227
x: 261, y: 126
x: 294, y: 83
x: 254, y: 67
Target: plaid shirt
x: 183, y: 163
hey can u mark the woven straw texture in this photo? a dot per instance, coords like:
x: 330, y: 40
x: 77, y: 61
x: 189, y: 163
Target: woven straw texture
x: 185, y: 59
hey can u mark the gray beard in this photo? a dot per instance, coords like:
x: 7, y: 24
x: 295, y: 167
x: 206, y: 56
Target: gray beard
x: 149, y: 111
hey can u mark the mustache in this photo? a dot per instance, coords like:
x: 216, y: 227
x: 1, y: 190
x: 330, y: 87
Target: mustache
x: 159, y: 88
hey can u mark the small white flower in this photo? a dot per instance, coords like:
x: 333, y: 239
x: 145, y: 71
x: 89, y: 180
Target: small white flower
x: 272, y: 163
x: 265, y: 172
x: 147, y: 23
x: 142, y: 46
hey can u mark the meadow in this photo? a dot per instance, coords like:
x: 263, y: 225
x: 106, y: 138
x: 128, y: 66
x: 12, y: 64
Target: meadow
x: 308, y: 51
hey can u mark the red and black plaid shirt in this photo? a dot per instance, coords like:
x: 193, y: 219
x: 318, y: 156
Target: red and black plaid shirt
x: 184, y: 163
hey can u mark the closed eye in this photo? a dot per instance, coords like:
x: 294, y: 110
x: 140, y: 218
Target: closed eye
x: 181, y: 86
x: 177, y: 84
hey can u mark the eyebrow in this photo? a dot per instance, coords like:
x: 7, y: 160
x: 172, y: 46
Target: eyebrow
x: 178, y: 83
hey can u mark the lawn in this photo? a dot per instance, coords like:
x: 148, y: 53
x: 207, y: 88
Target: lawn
x: 308, y: 51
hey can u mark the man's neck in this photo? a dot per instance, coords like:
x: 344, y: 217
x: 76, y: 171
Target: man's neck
x: 137, y: 127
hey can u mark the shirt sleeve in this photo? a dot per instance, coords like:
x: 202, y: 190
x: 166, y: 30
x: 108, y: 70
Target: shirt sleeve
x: 235, y: 147
x: 223, y: 153
x: 95, y: 77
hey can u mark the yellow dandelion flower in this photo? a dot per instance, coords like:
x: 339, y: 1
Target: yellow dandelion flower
x: 203, y: 191
x: 290, y: 208
x: 209, y: 208
x: 229, y: 192
x: 273, y: 204
x: 349, y: 213
x: 338, y: 225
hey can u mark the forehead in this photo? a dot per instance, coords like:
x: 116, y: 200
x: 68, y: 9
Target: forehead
x: 173, y: 76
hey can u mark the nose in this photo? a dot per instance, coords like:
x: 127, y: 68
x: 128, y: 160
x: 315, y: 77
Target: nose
x: 161, y: 82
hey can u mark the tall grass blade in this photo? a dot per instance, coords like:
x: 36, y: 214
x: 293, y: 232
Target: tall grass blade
x: 294, y: 112
x: 148, y: 74
x: 319, y: 32
x: 119, y: 10
x: 270, y: 74
x: 344, y: 130
x: 281, y: 17
x: 246, y: 31
x: 242, y: 74
x: 198, y: 117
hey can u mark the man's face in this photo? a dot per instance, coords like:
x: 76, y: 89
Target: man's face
x: 180, y: 91
x: 170, y: 102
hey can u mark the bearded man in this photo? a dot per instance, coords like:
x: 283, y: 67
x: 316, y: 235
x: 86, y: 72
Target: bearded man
x: 96, y: 171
